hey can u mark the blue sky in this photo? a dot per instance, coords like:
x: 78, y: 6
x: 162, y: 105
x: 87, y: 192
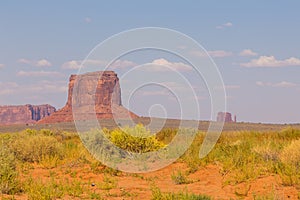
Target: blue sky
x: 255, y: 44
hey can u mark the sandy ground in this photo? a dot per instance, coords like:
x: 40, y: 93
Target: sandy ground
x: 208, y: 181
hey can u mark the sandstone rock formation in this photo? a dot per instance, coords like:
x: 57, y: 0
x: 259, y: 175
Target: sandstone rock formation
x: 225, y: 117
x: 104, y: 99
x: 24, y: 114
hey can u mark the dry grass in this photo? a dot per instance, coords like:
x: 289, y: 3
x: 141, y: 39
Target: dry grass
x: 242, y: 156
x: 291, y: 154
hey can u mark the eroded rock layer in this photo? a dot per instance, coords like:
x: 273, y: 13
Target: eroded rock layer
x: 24, y: 114
x: 92, y: 95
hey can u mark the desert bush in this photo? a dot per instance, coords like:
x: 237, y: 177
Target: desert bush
x: 39, y: 190
x: 108, y: 183
x: 291, y: 154
x: 46, y: 132
x: 35, y: 147
x: 289, y: 168
x: 9, y: 183
x: 179, y: 178
x: 166, y: 135
x: 289, y: 133
x: 30, y: 131
x: 137, y: 139
x: 75, y: 153
x: 267, y: 152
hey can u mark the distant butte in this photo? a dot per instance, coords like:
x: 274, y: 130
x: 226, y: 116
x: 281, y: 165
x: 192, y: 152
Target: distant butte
x: 225, y: 117
x: 24, y: 114
x: 104, y: 100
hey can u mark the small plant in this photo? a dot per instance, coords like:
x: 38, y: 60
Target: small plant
x: 94, y: 195
x: 46, y: 132
x: 39, y: 190
x: 108, y: 183
x: 291, y: 154
x: 9, y: 183
x: 136, y: 140
x: 74, y: 188
x: 179, y: 178
x: 111, y: 171
x: 73, y: 174
x: 158, y: 195
x: 35, y: 147
x: 267, y: 152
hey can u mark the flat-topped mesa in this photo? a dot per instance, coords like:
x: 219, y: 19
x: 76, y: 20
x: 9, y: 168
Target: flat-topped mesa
x: 94, y: 91
x: 225, y: 117
x: 107, y: 89
x: 24, y: 114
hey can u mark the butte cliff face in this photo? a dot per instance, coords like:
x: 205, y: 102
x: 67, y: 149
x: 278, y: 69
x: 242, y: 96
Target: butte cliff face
x: 225, y: 117
x: 90, y: 93
x: 24, y: 114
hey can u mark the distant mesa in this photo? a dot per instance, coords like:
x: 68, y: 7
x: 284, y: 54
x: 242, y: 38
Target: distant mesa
x: 24, y: 114
x: 225, y: 117
x: 104, y: 101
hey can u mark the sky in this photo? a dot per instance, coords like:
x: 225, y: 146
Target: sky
x: 255, y: 45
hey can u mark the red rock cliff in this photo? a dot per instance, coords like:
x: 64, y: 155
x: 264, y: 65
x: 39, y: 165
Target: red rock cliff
x: 225, y: 117
x: 24, y: 114
x: 106, y: 98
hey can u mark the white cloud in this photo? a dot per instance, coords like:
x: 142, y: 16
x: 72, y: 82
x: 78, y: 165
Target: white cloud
x: 76, y: 64
x: 119, y: 64
x: 38, y: 73
x: 45, y: 87
x: 282, y: 84
x: 24, y: 61
x: 50, y: 87
x: 214, y: 54
x: 248, y: 52
x: 228, y: 24
x: 73, y: 64
x: 271, y: 61
x: 88, y: 20
x: 94, y: 62
x: 43, y: 63
x: 161, y: 65
x: 37, y: 63
x: 220, y: 54
x: 156, y: 65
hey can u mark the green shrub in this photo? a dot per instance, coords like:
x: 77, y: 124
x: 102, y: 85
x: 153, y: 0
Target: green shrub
x: 291, y: 154
x: 9, y: 183
x: 108, y: 183
x: 166, y: 135
x: 137, y: 139
x: 38, y: 190
x: 46, y: 132
x: 30, y: 131
x: 36, y: 147
x: 289, y: 133
x: 179, y: 178
x: 266, y: 151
